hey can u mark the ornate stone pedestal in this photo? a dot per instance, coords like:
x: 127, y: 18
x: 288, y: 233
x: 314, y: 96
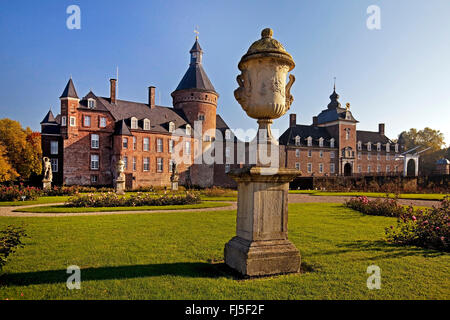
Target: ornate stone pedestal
x: 174, y: 186
x: 261, y: 246
x: 46, y: 184
x: 120, y: 185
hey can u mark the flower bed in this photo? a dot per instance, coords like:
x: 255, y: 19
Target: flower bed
x: 136, y: 200
x: 425, y: 228
x: 16, y: 193
x: 378, y: 207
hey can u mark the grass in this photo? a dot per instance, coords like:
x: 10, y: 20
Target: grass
x: 167, y: 256
x: 64, y: 209
x: 41, y: 200
x: 412, y: 196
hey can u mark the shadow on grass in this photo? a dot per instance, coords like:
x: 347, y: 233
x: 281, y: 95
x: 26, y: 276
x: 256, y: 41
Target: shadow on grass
x: 381, y: 249
x: 182, y: 269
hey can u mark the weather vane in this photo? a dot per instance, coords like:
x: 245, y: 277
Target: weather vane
x: 196, y: 32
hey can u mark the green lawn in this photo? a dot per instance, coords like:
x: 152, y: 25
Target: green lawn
x: 41, y: 200
x: 167, y: 256
x: 416, y: 196
x: 64, y: 209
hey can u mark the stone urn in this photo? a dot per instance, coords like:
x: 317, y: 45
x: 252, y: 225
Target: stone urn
x: 263, y: 92
x: 261, y: 246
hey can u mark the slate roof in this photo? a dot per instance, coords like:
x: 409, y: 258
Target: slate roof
x: 288, y: 137
x: 69, y: 91
x: 49, y: 118
x: 122, y: 129
x: 330, y: 115
x: 371, y: 136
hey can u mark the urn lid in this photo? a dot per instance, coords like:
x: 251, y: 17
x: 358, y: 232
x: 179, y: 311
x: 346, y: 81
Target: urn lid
x: 267, y: 47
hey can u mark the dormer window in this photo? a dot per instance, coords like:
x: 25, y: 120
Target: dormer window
x: 309, y: 141
x: 348, y: 116
x: 396, y: 147
x: 171, y: 127
x: 297, y: 140
x: 188, y: 130
x: 332, y: 143
x: 321, y: 142
x: 91, y: 103
x: 388, y: 147
x: 369, y: 146
x: 378, y: 146
x: 146, y: 124
x: 360, y: 145
x: 134, y: 123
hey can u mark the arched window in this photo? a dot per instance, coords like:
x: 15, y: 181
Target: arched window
x: 388, y: 147
x: 309, y: 141
x: 332, y: 143
x: 171, y: 127
x: 359, y: 145
x: 396, y: 147
x: 369, y: 146
x: 297, y: 140
x: 146, y: 124
x: 378, y: 146
x: 321, y: 142
x: 134, y: 123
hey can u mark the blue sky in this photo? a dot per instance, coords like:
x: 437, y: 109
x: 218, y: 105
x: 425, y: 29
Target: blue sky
x: 399, y: 75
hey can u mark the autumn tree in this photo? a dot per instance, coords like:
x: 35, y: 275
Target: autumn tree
x: 22, y: 148
x: 426, y: 138
x: 7, y: 172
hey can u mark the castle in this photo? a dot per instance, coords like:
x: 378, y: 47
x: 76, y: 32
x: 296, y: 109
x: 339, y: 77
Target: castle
x: 85, y: 141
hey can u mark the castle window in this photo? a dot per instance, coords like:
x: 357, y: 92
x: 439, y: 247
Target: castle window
x: 309, y: 153
x: 347, y: 134
x: 146, y: 124
x: 309, y: 167
x: 388, y: 147
x: 297, y: 165
x: 359, y: 155
x: 91, y: 103
x: 297, y: 153
x: 332, y: 143
x: 309, y: 141
x: 321, y: 142
x: 378, y: 156
x: 321, y: 154
x: 159, y: 145
x: 54, y: 163
x: 360, y: 145
x: 378, y: 146
x: 159, y: 165
x: 201, y: 117
x: 227, y: 134
x: 170, y: 165
x: 369, y: 156
x: 297, y: 140
x: 320, y: 167
x: 87, y: 121
x: 95, y: 141
x: 332, y: 154
x: 369, y: 168
x: 387, y: 157
x: 359, y: 169
x: 332, y: 167
x: 146, y: 164
x: 227, y: 168
x: 146, y: 144
x: 125, y: 143
x: 369, y: 146
x: 134, y: 163
x: 171, y: 127
x: 188, y: 130
x: 95, y: 162
x: 396, y: 147
x: 134, y: 123
x: 102, y: 123
x: 187, y: 148
x: 73, y: 121
x: 125, y: 162
x: 171, y: 144
x: 63, y: 121
x: 53, y: 147
x: 94, y: 179
x: 378, y: 169
x: 134, y: 143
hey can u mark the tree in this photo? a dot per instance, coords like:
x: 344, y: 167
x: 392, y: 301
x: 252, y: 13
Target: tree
x: 426, y: 138
x: 7, y: 172
x: 23, y: 148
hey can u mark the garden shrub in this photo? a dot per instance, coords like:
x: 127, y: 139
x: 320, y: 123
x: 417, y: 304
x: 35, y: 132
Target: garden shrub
x: 378, y: 207
x: 218, y: 192
x: 428, y: 228
x: 111, y: 199
x: 16, y: 192
x: 10, y: 240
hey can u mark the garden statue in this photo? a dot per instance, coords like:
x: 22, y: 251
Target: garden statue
x: 120, y: 179
x: 261, y: 246
x: 48, y: 175
x: 174, y: 177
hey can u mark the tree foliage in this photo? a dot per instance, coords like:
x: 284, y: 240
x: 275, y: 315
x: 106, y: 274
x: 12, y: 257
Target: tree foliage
x: 7, y: 172
x: 22, y: 148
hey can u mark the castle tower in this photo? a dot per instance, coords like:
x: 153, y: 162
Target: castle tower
x: 197, y: 98
x: 69, y: 115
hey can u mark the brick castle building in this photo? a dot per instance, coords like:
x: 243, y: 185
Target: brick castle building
x: 88, y: 137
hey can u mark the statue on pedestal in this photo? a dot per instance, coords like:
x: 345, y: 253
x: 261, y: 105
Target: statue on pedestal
x: 48, y: 175
x: 174, y: 177
x: 120, y: 180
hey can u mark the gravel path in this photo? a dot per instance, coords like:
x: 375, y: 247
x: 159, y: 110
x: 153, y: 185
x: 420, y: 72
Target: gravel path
x: 293, y: 198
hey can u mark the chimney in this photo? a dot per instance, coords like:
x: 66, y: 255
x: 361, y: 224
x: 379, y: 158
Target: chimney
x: 151, y: 97
x: 292, y: 120
x: 315, y: 121
x: 381, y: 128
x: 112, y: 92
